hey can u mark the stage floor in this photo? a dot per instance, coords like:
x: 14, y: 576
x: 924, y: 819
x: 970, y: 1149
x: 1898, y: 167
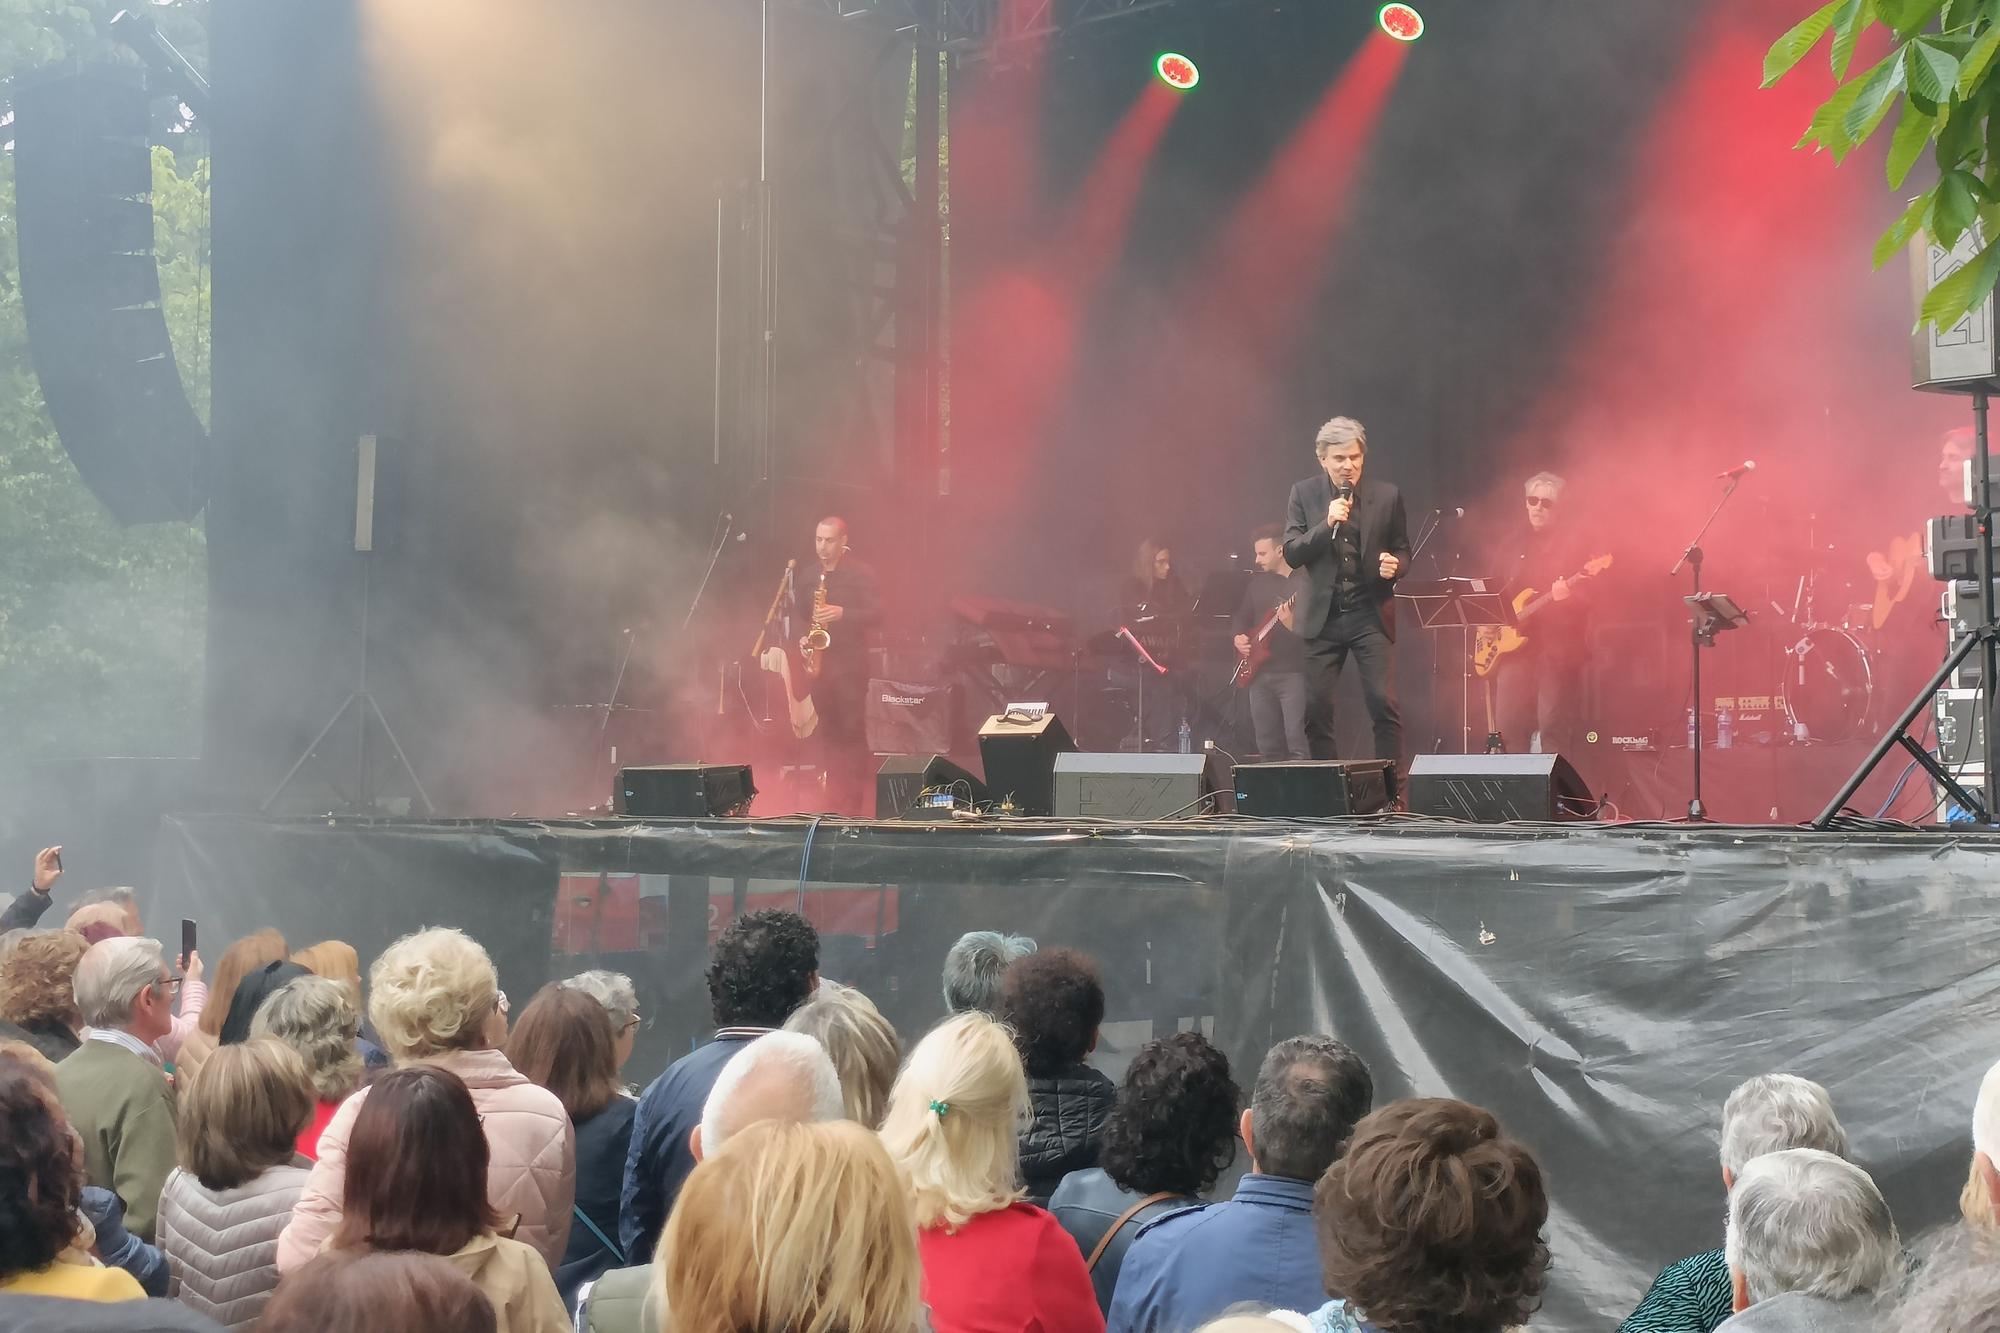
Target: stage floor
x: 1600, y: 987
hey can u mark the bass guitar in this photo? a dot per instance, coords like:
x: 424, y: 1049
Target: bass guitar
x: 1252, y: 660
x: 1494, y: 644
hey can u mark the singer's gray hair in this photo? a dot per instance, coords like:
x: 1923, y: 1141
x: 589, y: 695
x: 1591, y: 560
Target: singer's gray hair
x: 1340, y: 430
x: 1548, y: 479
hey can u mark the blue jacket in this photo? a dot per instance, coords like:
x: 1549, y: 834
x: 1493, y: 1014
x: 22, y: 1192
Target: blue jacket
x: 1188, y: 1267
x: 119, y: 1248
x: 658, y: 1159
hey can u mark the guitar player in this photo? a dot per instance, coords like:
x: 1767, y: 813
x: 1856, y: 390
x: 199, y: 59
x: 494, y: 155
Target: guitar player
x: 1538, y: 687
x: 1278, y: 690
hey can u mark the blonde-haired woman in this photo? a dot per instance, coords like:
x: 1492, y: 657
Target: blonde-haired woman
x: 990, y: 1261
x: 792, y: 1229
x: 865, y: 1050
x: 433, y: 996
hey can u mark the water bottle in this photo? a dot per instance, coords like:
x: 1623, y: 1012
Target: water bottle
x: 1725, y: 729
x: 1187, y: 737
x: 1691, y: 727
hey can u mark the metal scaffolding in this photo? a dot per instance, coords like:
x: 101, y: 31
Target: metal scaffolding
x: 983, y: 27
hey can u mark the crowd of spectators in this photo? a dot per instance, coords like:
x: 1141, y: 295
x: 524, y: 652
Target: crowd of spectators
x: 292, y: 1149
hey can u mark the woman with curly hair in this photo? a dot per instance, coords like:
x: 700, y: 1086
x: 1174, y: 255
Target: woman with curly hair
x: 41, y: 1185
x: 1054, y: 1003
x: 1433, y: 1220
x: 37, y: 992
x: 1171, y: 1132
x: 315, y: 1016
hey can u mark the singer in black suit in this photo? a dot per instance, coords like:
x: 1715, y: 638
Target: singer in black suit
x: 1352, y: 541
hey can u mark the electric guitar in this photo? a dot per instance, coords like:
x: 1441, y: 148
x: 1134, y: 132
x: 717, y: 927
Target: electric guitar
x: 1253, y: 659
x: 1494, y: 644
x: 1903, y: 559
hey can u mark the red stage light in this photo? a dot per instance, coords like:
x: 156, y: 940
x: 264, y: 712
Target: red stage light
x: 1177, y: 71
x: 1400, y: 21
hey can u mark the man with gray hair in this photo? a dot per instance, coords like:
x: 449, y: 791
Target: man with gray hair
x: 112, y: 1087
x: 1538, y: 680
x: 974, y: 967
x: 619, y: 999
x: 1810, y: 1245
x: 1770, y: 1113
x: 1352, y: 542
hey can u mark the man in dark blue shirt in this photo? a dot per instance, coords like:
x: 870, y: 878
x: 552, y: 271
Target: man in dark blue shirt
x: 1260, y: 1247
x: 766, y: 964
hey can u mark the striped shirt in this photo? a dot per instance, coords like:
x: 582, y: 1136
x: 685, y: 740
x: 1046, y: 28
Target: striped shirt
x: 1692, y: 1296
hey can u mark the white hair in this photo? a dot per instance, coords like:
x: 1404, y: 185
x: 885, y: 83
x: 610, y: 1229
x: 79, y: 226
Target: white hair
x: 793, y: 1058
x: 974, y: 967
x: 1548, y: 479
x: 110, y: 976
x: 1773, y: 1112
x: 1806, y: 1221
x: 613, y: 991
x: 1986, y: 1116
x: 1340, y: 430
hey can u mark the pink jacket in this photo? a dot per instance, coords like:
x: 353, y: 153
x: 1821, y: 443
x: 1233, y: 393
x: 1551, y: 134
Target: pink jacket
x: 533, y: 1170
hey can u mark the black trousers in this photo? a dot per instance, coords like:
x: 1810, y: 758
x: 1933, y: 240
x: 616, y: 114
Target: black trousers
x: 841, y: 699
x: 1359, y: 635
x: 1539, y: 694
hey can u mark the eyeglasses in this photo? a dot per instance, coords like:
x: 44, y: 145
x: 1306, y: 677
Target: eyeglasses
x: 1537, y: 502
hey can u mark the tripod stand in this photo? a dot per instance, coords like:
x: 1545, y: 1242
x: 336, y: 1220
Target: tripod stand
x: 1985, y: 637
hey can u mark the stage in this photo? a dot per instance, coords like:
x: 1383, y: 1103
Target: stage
x: 1601, y: 988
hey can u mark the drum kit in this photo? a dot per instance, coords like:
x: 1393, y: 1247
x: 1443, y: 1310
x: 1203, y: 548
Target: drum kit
x: 1816, y: 659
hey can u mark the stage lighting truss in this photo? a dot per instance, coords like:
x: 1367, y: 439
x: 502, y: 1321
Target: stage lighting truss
x: 977, y: 28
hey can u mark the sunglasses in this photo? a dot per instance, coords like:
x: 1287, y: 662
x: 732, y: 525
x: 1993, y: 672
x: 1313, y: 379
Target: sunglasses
x: 1537, y: 502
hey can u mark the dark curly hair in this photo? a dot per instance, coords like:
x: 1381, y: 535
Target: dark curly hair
x: 41, y: 1171
x: 1173, y: 1126
x: 762, y: 969
x: 1432, y: 1221
x: 1055, y: 1003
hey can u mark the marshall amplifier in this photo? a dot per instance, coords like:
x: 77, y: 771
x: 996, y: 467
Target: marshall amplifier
x: 909, y: 718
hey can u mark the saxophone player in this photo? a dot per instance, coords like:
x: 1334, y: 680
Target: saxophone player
x: 843, y: 602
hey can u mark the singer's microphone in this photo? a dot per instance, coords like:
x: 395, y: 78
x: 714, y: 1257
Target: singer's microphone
x: 1747, y: 465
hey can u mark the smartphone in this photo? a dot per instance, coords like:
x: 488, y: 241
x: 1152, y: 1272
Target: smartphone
x: 187, y: 942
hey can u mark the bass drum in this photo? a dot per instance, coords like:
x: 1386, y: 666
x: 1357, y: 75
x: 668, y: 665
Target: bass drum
x: 1829, y: 686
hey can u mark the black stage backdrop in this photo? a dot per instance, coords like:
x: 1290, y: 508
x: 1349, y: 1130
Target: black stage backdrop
x: 1601, y: 990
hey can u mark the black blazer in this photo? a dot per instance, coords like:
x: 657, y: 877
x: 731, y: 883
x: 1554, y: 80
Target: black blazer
x: 1378, y: 513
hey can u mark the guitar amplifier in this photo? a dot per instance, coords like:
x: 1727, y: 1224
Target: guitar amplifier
x: 1018, y: 751
x: 909, y: 718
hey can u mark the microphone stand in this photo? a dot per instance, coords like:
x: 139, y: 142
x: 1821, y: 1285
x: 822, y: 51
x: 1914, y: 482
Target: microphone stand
x: 1692, y: 557
x: 728, y: 525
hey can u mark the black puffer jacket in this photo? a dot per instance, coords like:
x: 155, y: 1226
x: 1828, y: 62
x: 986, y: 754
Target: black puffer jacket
x: 1069, y: 1113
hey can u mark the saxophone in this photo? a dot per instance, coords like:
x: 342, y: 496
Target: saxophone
x: 817, y: 640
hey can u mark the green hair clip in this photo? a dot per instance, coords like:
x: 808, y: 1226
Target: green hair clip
x: 939, y: 1108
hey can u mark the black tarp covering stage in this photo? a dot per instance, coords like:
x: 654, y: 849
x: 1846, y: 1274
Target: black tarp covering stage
x: 1600, y: 988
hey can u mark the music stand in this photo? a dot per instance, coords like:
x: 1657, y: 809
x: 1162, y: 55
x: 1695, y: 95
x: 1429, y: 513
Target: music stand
x: 1464, y: 604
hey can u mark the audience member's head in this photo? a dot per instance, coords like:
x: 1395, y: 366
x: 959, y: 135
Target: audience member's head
x: 93, y: 920
x: 432, y: 992
x: 1433, y: 1219
x: 242, y: 1115
x: 1311, y: 1091
x: 124, y: 983
x: 563, y: 1041
x: 784, y: 1076
x: 865, y: 1050
x: 38, y: 985
x: 1054, y: 1002
x: 974, y: 967
x: 252, y: 993
x: 620, y: 999
x: 1173, y: 1126
x: 792, y: 1229
x: 315, y: 1016
x: 954, y: 1120
x: 337, y: 961
x: 765, y: 965
x: 1773, y: 1112
x: 125, y: 899
x: 1806, y: 1221
x: 358, y: 1291
x: 239, y: 960
x: 416, y: 1166
x: 41, y: 1170
x: 1985, y: 1136
x: 1975, y: 1203
x: 1953, y: 1288
x: 8, y: 939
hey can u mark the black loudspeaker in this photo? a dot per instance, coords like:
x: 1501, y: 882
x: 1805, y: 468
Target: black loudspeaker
x: 1019, y: 754
x: 903, y: 779
x: 1130, y: 786
x: 905, y: 718
x: 1313, y: 788
x: 683, y: 791
x: 1498, y: 788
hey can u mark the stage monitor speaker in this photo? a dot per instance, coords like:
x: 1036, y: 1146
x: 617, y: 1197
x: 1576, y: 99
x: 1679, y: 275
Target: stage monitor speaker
x: 683, y: 791
x: 903, y: 779
x: 1019, y: 754
x: 1130, y: 786
x: 1313, y: 788
x: 907, y: 718
x: 1498, y: 788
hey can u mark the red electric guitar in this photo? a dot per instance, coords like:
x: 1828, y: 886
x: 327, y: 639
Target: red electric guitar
x: 1259, y: 652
